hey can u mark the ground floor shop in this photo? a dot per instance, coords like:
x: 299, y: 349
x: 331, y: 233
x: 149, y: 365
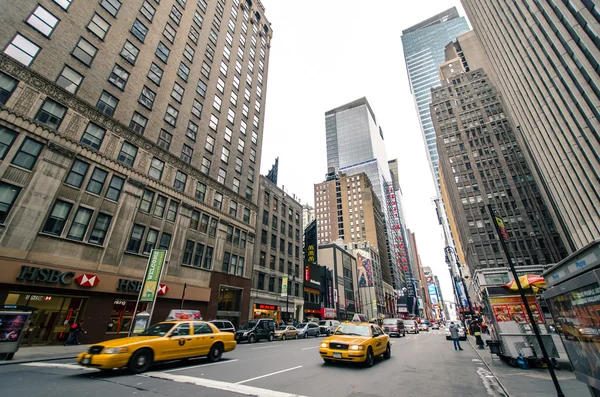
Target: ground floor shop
x: 229, y: 297
x: 278, y: 310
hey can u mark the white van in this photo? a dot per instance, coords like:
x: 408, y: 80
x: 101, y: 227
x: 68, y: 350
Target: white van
x: 328, y: 327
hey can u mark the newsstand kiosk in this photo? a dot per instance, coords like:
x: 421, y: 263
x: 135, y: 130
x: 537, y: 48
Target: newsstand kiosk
x: 573, y: 297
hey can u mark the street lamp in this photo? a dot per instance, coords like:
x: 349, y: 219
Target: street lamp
x: 451, y: 250
x: 291, y: 278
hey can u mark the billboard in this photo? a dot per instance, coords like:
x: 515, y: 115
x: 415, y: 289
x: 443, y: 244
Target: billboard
x: 433, y: 297
x: 365, y: 269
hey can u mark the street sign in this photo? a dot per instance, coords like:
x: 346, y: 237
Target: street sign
x: 501, y: 227
x: 284, y: 286
x: 152, y: 277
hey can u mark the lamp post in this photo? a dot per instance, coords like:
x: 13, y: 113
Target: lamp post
x: 291, y: 278
x: 451, y: 250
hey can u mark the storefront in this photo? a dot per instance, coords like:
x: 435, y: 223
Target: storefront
x: 229, y: 297
x: 262, y: 310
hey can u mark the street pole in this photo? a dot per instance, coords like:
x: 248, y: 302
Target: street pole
x: 503, y: 236
x: 462, y: 280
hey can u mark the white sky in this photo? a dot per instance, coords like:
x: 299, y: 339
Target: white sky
x: 326, y: 53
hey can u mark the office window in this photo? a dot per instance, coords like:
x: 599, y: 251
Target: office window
x: 151, y: 239
x: 130, y: 52
x: 182, y: 3
x: 255, y: 121
x: 250, y: 174
x: 191, y: 131
x: 226, y: 53
x: 135, y: 240
x: 28, y: 153
x: 201, y: 88
x: 254, y: 137
x: 155, y: 73
x: 164, y: 139
x: 114, y: 188
x: 223, y: 68
x: 43, y: 21
x: 112, y: 6
x: 69, y: 79
x: 253, y: 155
x: 249, y: 193
x: 138, y: 122
x: 7, y: 87
x: 139, y: 30
x: 218, y: 200
x: 98, y: 26
x: 172, y: 211
x: 228, y: 134
x: 245, y: 110
x: 7, y: 138
x: 147, y: 97
x: 184, y: 71
x: 80, y: 224
x: 205, y: 166
x: 233, y: 207
x: 197, y: 109
x: 246, y: 217
x: 186, y: 153
x: 205, y: 70
x: 198, y: 20
x: 170, y: 33
x: 238, y: 67
x: 243, y: 127
x: 221, y: 85
x: 8, y: 195
x: 156, y: 168
x: 198, y: 256
x: 77, y: 173
x: 236, y: 82
x: 187, y: 253
x: 119, y: 77
x: 180, y: 181
x: 175, y: 15
x: 261, y: 281
x: 188, y: 53
x: 107, y: 104
x: 64, y: 4
x: 239, y: 163
x: 257, y: 109
x: 217, y: 103
x: 127, y: 154
x: 210, y: 53
x: 208, y: 258
x: 204, y: 223
x: 162, y: 52
x: 194, y: 220
x: 171, y: 115
x: 58, y: 217
x: 231, y: 116
x: 259, y: 91
x: 194, y: 35
x: 222, y: 176
x: 100, y: 229
x: 161, y: 204
x: 233, y: 98
x: 236, y: 185
x: 146, y: 201
x: 148, y: 10
x: 51, y: 114
x: 97, y: 180
x: 241, y: 145
x: 84, y: 51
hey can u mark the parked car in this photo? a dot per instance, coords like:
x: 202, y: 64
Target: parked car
x: 224, y: 325
x: 411, y: 327
x: 328, y: 327
x: 423, y: 327
x: 356, y: 342
x: 286, y: 332
x: 255, y: 330
x: 308, y: 329
x: 394, y: 327
x: 462, y: 334
x: 169, y: 340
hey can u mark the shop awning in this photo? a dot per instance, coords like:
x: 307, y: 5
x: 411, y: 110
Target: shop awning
x: 528, y: 281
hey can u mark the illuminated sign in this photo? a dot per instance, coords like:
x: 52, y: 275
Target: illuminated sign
x: 266, y: 307
x: 43, y: 275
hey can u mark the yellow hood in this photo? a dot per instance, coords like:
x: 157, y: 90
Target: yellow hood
x: 347, y: 339
x: 123, y: 342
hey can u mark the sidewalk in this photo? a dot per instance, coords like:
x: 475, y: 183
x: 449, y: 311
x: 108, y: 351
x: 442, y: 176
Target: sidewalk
x: 44, y: 353
x: 532, y: 382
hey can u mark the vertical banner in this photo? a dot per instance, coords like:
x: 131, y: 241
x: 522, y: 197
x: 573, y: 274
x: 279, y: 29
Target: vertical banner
x: 284, y: 286
x: 152, y: 277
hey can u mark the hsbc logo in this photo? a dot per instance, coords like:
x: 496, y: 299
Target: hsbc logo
x: 87, y: 280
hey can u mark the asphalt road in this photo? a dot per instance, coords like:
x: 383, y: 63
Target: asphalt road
x: 421, y: 365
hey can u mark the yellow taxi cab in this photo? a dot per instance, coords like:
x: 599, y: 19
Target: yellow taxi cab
x: 169, y: 340
x: 356, y: 342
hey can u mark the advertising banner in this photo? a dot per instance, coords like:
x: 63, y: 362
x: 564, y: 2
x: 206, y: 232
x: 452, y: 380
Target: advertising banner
x: 512, y: 309
x: 433, y: 294
x: 11, y: 326
x: 284, y: 286
x: 152, y: 277
x: 365, y: 270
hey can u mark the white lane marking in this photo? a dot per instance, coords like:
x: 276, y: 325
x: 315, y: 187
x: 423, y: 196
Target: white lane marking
x: 313, y: 347
x: 57, y: 365
x: 201, y: 365
x: 215, y: 384
x: 271, y: 374
x: 265, y: 347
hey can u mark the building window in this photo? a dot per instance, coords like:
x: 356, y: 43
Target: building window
x: 214, y: 122
x: 223, y: 68
x: 112, y: 6
x: 226, y: 262
x: 114, y: 188
x: 233, y: 207
x: 210, y: 52
x: 146, y: 201
x: 146, y: 99
x: 249, y: 193
x: 170, y: 33
x: 191, y: 131
x: 217, y: 103
x: 241, y: 144
x: 194, y: 35
x: 231, y: 116
x: 119, y: 77
x: 171, y: 115
x: 188, y: 252
x: 228, y: 134
x: 97, y: 180
x: 222, y: 176
x: 198, y: 256
x: 77, y: 173
x: 251, y: 174
x: 238, y: 165
x: 27, y: 154
x: 225, y: 155
x: 218, y: 200
x: 184, y: 71
x: 135, y: 240
x: 208, y: 258
x: 155, y: 73
x: 139, y: 30
x: 186, y: 154
x: 129, y: 52
x: 8, y: 195
x: 148, y: 10
x: 209, y: 145
x: 51, y: 113
x: 98, y: 26
x: 42, y: 21
x: 64, y: 4
x: 175, y: 15
x: 162, y: 52
x: 164, y: 139
x: 7, y: 87
x: 197, y: 109
x: 246, y: 217
x: 7, y: 138
x: 138, y: 123
x: 180, y: 181
x: 201, y: 89
x: 156, y: 168
x: 107, y: 104
x: 172, y: 211
x: 84, y: 51
x: 159, y: 208
x: 127, y: 154
x: 58, y: 217
x: 188, y: 53
x: 205, y: 70
x: 253, y: 155
x: 200, y: 191
x: 261, y: 281
x: 80, y: 224
x: 69, y: 79
x: 205, y: 166
x: 177, y: 92
x: 100, y: 229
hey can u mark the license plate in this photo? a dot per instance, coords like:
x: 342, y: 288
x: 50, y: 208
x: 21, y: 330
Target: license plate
x: 85, y: 360
x: 337, y: 355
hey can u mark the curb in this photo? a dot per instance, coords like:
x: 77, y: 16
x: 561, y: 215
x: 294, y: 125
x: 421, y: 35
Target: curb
x: 15, y: 362
x: 489, y: 368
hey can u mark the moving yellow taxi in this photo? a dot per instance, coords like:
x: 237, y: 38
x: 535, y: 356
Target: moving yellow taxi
x: 169, y: 340
x: 356, y: 342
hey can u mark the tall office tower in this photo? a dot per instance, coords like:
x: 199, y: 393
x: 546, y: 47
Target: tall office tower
x: 545, y: 58
x: 308, y: 215
x: 279, y: 255
x: 128, y: 126
x: 482, y: 163
x: 423, y: 46
x: 355, y: 144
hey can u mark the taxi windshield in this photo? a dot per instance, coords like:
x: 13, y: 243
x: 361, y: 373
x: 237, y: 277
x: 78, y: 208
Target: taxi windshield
x: 352, y: 329
x: 160, y: 329
x: 249, y: 325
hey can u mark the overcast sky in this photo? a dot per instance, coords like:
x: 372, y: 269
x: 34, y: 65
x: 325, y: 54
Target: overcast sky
x: 326, y: 53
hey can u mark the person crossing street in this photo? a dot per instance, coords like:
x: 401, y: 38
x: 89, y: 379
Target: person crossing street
x: 76, y: 328
x: 455, y: 337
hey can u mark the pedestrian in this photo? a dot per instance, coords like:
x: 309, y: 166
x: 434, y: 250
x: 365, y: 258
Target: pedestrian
x: 76, y: 328
x: 454, y: 336
x: 477, y: 333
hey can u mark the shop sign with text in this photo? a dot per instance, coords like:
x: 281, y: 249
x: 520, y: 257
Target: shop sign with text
x: 44, y: 275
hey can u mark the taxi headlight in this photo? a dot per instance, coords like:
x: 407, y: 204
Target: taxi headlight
x: 325, y: 345
x: 356, y: 347
x: 115, y: 350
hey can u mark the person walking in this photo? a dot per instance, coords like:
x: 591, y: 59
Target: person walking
x: 76, y: 328
x: 454, y: 336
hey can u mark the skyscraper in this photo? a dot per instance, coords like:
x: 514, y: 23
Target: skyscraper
x: 423, y: 46
x: 545, y: 58
x: 126, y: 129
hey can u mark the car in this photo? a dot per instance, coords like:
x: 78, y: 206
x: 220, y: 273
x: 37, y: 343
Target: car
x: 411, y: 327
x: 224, y: 325
x: 286, y: 332
x: 328, y: 327
x: 462, y: 334
x: 423, y: 327
x: 164, y: 341
x: 394, y: 326
x: 435, y: 326
x: 356, y: 342
x: 308, y: 329
x: 255, y: 330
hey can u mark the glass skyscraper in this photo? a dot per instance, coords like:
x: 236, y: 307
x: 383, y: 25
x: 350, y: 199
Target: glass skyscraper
x: 424, y: 45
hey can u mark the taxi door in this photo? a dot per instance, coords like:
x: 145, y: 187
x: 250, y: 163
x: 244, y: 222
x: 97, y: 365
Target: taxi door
x: 180, y: 343
x: 204, y: 337
x: 379, y: 344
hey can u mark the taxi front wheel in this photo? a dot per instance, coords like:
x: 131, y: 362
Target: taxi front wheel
x: 140, y: 361
x: 370, y: 360
x: 388, y: 352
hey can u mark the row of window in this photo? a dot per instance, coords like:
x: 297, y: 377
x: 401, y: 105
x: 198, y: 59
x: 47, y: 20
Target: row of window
x: 293, y: 288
